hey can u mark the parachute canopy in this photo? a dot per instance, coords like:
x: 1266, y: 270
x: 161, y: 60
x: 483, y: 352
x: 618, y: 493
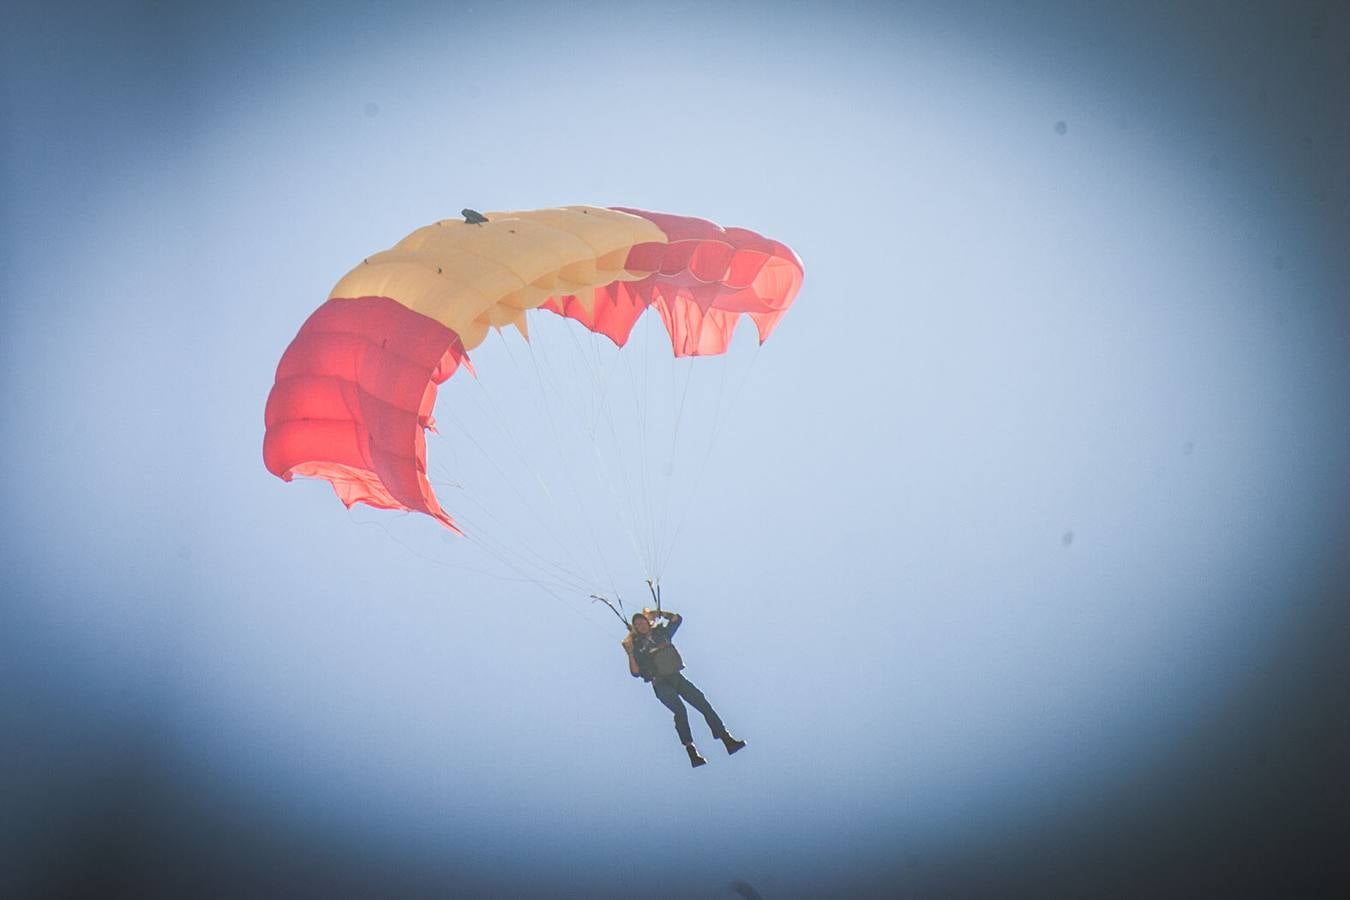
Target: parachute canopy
x: 355, y: 390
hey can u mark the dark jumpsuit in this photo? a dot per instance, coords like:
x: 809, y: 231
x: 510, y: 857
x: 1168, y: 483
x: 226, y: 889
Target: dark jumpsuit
x: 671, y: 688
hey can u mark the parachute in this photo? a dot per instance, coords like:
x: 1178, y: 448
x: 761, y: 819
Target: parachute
x: 355, y: 391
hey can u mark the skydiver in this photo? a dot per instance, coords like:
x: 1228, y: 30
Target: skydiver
x: 653, y: 658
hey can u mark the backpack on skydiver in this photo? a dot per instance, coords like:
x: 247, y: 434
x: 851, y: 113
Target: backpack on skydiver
x: 666, y: 659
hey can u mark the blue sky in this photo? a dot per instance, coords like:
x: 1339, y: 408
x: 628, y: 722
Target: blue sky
x: 1021, y: 537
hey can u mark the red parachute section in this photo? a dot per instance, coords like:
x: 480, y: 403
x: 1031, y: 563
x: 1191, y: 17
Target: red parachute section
x: 353, y: 398
x: 702, y: 280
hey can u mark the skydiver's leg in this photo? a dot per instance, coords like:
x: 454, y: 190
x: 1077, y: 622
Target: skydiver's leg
x: 669, y: 695
x: 689, y: 691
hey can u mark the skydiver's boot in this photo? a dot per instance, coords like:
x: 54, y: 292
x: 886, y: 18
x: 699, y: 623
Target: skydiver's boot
x: 694, y: 759
x: 731, y: 743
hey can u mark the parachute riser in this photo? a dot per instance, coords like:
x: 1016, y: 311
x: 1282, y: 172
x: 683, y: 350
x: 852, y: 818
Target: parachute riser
x: 614, y: 609
x: 651, y: 586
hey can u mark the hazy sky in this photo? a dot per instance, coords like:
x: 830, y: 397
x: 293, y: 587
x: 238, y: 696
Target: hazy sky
x: 1018, y: 559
